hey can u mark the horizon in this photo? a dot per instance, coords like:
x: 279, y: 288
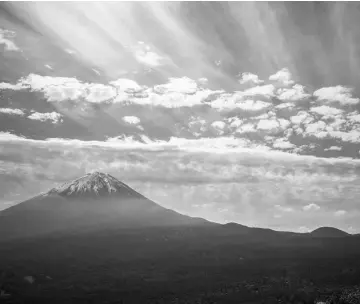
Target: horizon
x: 232, y: 112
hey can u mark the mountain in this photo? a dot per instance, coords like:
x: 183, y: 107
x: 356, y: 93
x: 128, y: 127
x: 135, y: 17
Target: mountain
x: 328, y: 232
x: 100, y: 202
x: 96, y: 201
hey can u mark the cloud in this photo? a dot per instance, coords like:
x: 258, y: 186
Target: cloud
x: 269, y: 114
x: 219, y: 126
x: 284, y: 208
x: 352, y: 136
x: 256, y: 106
x: 304, y: 229
x: 266, y: 91
x: 182, y: 92
x: 354, y: 117
x: 311, y: 207
x: 246, y: 128
x: 337, y: 122
x: 267, y: 124
x: 283, y: 144
x: 214, y: 145
x: 252, y: 105
x: 250, y: 78
x: 173, y: 99
x: 182, y: 85
x: 127, y: 85
x: 333, y: 148
x: 284, y: 123
x: 203, y: 80
x: 283, y: 77
x: 205, y: 145
x: 326, y: 111
x: 338, y: 94
x: 286, y: 105
x: 218, y: 144
x: 296, y: 93
x: 54, y: 88
x: 38, y: 82
x: 148, y: 58
x: 5, y: 37
x: 340, y: 213
x: 58, y: 89
x: 54, y: 117
x: 197, y: 126
x: 272, y: 124
x: 12, y: 111
x: 133, y: 120
x: 143, y: 55
x: 235, y: 122
x: 238, y: 100
x: 302, y: 117
x: 9, y: 86
x: 98, y: 93
x: 324, y: 129
x: 317, y: 129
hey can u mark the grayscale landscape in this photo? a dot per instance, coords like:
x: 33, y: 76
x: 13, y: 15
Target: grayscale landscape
x: 179, y: 152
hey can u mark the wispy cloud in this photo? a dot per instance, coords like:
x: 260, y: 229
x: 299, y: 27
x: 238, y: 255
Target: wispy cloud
x: 311, y: 207
x: 284, y: 208
x: 144, y: 55
x: 6, y: 37
x: 333, y: 148
x: 340, y: 213
x: 53, y: 117
x: 12, y: 111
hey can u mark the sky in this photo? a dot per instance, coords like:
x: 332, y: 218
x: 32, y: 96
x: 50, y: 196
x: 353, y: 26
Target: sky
x: 244, y: 112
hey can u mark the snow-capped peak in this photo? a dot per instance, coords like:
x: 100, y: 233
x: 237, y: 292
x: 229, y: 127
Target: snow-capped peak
x: 96, y: 183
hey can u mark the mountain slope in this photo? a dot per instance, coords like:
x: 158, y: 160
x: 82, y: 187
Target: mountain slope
x: 92, y: 202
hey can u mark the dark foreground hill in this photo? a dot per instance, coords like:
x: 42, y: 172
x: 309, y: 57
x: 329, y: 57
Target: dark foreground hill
x: 326, y: 232
x: 176, y: 265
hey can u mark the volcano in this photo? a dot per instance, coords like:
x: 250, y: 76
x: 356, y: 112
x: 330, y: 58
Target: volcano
x: 96, y: 201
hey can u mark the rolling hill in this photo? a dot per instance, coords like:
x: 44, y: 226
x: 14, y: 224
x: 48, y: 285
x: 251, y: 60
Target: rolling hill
x: 326, y: 232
